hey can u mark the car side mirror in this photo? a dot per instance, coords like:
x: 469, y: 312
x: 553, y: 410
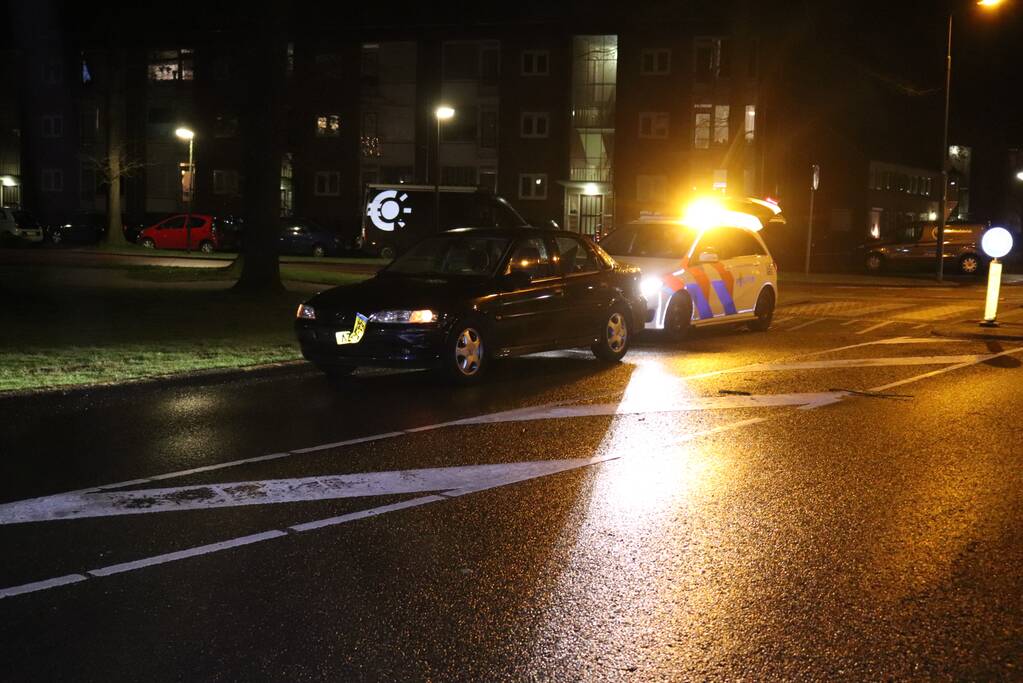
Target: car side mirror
x: 708, y: 257
x: 518, y: 279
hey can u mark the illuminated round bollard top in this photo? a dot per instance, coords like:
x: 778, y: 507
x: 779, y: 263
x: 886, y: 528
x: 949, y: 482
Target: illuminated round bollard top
x: 996, y: 242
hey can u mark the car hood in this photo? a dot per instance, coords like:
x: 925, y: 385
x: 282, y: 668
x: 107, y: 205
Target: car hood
x: 387, y: 291
x: 651, y: 266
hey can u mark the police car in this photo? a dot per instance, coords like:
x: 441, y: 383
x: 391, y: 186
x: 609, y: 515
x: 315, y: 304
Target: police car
x: 706, y: 268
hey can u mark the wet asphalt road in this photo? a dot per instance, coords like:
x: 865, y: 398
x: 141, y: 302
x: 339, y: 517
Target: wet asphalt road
x: 728, y: 508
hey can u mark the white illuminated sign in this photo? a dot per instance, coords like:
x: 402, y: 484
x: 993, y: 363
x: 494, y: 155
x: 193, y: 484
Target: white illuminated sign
x: 996, y: 242
x: 387, y: 210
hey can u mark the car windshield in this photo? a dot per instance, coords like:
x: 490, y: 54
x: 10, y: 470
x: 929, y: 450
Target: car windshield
x: 651, y: 240
x: 25, y: 219
x: 452, y: 255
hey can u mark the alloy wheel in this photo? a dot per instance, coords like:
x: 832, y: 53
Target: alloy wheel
x: 969, y: 265
x: 617, y: 332
x: 468, y: 352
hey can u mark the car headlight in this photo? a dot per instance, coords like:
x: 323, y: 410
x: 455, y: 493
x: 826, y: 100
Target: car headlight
x: 649, y: 286
x: 402, y: 316
x: 305, y: 312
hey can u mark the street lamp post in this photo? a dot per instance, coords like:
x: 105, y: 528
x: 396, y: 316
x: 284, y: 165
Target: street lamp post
x: 187, y: 134
x: 442, y: 113
x: 939, y: 245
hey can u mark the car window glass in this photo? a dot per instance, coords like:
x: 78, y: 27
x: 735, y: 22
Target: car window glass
x: 531, y: 256
x: 662, y: 240
x: 746, y: 244
x: 710, y: 241
x: 619, y: 242
x: 176, y: 222
x: 195, y: 222
x: 451, y: 255
x: 575, y: 257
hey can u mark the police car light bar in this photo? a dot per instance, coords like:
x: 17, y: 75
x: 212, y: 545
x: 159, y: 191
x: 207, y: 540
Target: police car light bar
x: 707, y: 213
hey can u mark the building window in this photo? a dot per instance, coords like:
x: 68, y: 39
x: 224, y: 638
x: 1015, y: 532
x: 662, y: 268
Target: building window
x: 651, y: 188
x: 328, y: 125
x: 289, y: 64
x: 287, y: 185
x: 88, y: 124
x: 328, y: 184
x: 720, y: 179
x: 653, y: 125
x: 225, y: 182
x: 470, y: 61
x: 488, y: 129
x: 370, y: 63
x: 171, y: 65
x: 535, y: 124
x: 655, y: 62
x: 750, y: 123
x: 458, y: 175
x: 701, y: 125
x: 53, y: 126
x: 225, y: 126
x: 711, y: 59
x: 369, y: 139
x: 532, y: 186
x: 488, y: 179
x: 490, y: 64
x: 53, y: 72
x: 536, y: 62
x: 53, y: 180
x: 721, y: 124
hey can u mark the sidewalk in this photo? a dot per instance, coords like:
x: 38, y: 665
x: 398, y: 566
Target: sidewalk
x: 857, y: 280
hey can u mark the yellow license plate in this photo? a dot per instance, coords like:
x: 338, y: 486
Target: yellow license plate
x: 355, y: 334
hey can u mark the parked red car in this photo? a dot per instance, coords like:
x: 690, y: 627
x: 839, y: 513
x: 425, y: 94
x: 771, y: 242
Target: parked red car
x: 204, y: 233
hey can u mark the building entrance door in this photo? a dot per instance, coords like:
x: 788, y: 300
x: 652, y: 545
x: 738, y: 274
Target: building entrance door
x: 591, y: 214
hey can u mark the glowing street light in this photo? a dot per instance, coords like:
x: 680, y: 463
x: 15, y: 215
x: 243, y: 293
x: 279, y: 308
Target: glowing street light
x: 996, y: 243
x: 442, y: 113
x: 1019, y: 176
x: 189, y: 135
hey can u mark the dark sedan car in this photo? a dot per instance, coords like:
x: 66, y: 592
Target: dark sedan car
x: 303, y: 237
x: 458, y: 300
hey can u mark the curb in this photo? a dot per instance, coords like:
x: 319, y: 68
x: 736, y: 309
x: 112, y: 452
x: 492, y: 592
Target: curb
x: 195, y: 377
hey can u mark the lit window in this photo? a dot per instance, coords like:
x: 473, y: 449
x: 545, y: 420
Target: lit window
x: 701, y: 125
x: 655, y: 62
x: 711, y: 59
x: 653, y: 125
x: 535, y: 62
x: 750, y: 124
x: 328, y: 125
x: 171, y: 65
x: 535, y: 124
x: 532, y: 186
x: 721, y: 124
x: 328, y: 184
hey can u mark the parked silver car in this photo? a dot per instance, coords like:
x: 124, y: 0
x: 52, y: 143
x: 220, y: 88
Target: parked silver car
x: 916, y: 245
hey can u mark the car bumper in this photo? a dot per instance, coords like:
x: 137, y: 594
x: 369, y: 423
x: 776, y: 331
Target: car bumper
x: 396, y: 346
x: 28, y: 236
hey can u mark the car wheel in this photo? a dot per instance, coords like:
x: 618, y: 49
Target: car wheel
x: 764, y: 311
x: 319, y: 251
x: 56, y: 238
x: 465, y: 356
x: 388, y: 253
x: 206, y: 247
x: 615, y: 336
x: 874, y: 263
x: 148, y: 243
x: 969, y: 264
x: 678, y: 319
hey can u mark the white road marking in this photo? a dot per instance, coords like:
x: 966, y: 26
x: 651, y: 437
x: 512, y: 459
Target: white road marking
x: 876, y: 327
x: 854, y: 363
x: 852, y: 322
x: 921, y: 326
x: 450, y: 480
x: 41, y: 585
x: 806, y: 324
x: 965, y: 364
x: 183, y: 554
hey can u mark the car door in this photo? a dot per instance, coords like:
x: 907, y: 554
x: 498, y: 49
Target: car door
x: 747, y: 264
x: 294, y: 238
x: 196, y: 232
x: 587, y: 294
x: 170, y: 234
x: 709, y: 280
x: 528, y: 314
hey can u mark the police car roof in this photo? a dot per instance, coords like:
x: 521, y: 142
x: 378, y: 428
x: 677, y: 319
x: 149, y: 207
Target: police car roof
x: 514, y: 232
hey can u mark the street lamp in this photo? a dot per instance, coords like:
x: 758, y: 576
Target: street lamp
x: 188, y: 134
x: 1019, y: 176
x: 940, y: 237
x: 442, y: 113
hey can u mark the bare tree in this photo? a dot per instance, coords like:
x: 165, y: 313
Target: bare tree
x: 115, y: 164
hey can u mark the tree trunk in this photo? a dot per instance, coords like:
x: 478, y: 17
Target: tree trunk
x: 114, y: 102
x: 263, y: 135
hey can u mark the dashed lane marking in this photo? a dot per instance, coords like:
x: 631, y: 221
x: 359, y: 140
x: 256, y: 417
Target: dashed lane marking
x: 933, y: 373
x: 807, y: 324
x: 876, y: 327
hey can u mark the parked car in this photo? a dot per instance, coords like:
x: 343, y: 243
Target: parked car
x: 303, y: 237
x: 395, y: 217
x: 204, y: 233
x: 18, y: 226
x: 84, y: 228
x: 461, y: 299
x: 699, y: 275
x: 916, y: 245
